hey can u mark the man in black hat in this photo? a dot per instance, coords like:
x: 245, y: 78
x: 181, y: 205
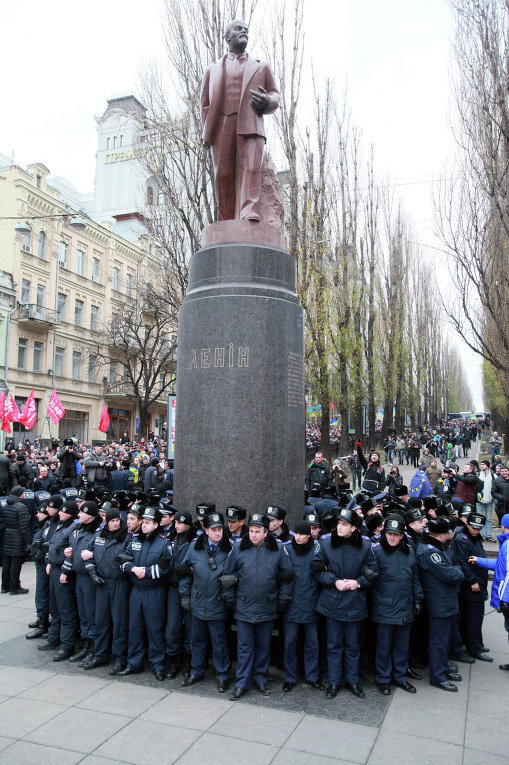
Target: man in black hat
x: 235, y: 517
x: 178, y: 621
x: 120, y: 478
x: 202, y: 510
x: 277, y: 525
x: 257, y: 584
x: 151, y: 564
x: 133, y: 520
x: 201, y: 593
x: 17, y: 540
x: 329, y: 501
x: 315, y: 524
x: 346, y: 567
x: 440, y: 581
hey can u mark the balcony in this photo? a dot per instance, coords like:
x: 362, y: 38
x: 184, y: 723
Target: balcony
x: 36, y: 317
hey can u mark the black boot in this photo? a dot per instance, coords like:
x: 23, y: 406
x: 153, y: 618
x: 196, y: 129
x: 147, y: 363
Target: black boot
x: 40, y: 630
x: 90, y: 654
x: 81, y: 653
x: 187, y: 665
x: 173, y: 667
x: 34, y: 625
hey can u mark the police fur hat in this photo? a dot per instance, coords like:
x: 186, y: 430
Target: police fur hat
x: 413, y: 514
x: 152, y: 513
x: 71, y: 508
x: 302, y: 527
x: 184, y: 516
x: 55, y: 501
x: 400, y: 491
x: 17, y: 491
x: 90, y: 508
x: 344, y: 499
x: 205, y: 508
x: 430, y: 503
x: 368, y: 505
x: 414, y: 502
x: 313, y: 519
x: 316, y: 490
x: 275, y: 512
x: 235, y: 513
x: 153, y: 498
x: 122, y: 498
x: 213, y: 520
x: 350, y: 516
x: 394, y: 523
x: 258, y: 519
x: 438, y: 526
x: 457, y: 503
x: 374, y: 521
x: 361, y: 497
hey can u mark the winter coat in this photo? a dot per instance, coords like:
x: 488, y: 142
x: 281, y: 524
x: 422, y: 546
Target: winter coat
x: 466, y: 488
x: 500, y: 585
x: 203, y: 585
x: 17, y: 535
x: 264, y: 579
x: 59, y: 541
x: 147, y: 551
x: 484, y: 495
x: 397, y: 586
x: 5, y: 474
x: 500, y: 490
x: 119, y: 480
x: 462, y: 547
x: 306, y: 589
x: 318, y: 472
x: 68, y: 459
x: 339, y: 558
x: 374, y: 474
x: 439, y: 577
x: 179, y: 544
x: 106, y: 545
x: 433, y: 473
x: 81, y: 538
x: 94, y: 471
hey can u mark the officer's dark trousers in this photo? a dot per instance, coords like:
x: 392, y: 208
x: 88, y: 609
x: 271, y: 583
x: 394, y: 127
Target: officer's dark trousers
x: 41, y: 590
x: 200, y: 631
x: 391, y: 658
x: 146, y: 609
x: 291, y: 635
x: 112, y: 620
x: 85, y: 596
x: 253, y: 653
x: 343, y: 650
x: 11, y: 572
x: 64, y: 616
x: 441, y: 633
x: 178, y: 625
x: 472, y: 615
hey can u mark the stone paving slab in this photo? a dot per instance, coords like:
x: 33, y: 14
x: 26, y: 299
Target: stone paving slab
x: 400, y: 748
x: 25, y: 753
x: 211, y: 749
x: 144, y: 743
x: 79, y: 730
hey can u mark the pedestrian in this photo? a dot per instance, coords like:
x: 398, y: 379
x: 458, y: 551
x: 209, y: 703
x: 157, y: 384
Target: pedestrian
x: 374, y: 474
x: 17, y: 541
x: 484, y: 503
x: 318, y: 472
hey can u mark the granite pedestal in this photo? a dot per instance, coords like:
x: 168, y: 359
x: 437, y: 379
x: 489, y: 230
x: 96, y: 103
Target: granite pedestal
x: 240, y: 417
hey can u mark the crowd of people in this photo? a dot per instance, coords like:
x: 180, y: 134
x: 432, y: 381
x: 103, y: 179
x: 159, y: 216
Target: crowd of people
x: 386, y: 580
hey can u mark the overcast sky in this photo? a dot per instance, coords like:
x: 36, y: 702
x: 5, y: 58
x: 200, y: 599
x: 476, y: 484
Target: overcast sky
x: 61, y: 61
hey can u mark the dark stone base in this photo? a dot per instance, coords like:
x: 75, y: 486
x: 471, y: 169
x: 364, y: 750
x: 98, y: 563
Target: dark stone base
x: 240, y: 419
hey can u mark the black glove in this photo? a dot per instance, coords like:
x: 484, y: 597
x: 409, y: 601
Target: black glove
x: 164, y: 562
x: 97, y: 580
x: 282, y: 606
x: 45, y: 545
x: 369, y: 573
x: 504, y: 607
x: 228, y: 581
x: 38, y: 543
x: 230, y: 605
x: 186, y: 603
x: 124, y: 558
x: 318, y: 565
x: 418, y: 608
x: 285, y: 577
x: 182, y: 571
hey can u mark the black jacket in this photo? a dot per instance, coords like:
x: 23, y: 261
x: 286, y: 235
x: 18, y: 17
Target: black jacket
x: 397, y: 586
x: 203, y: 585
x: 106, y: 545
x: 18, y: 537
x: 462, y: 547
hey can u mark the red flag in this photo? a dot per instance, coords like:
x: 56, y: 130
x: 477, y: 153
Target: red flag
x: 5, y: 425
x: 11, y: 411
x: 104, y: 422
x: 28, y: 417
x: 55, y: 409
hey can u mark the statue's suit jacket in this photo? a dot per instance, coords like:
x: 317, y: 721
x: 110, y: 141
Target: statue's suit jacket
x: 249, y: 120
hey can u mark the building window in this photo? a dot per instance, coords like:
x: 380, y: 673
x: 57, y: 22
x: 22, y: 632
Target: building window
x: 114, y: 324
x: 61, y: 306
x: 121, y: 141
x: 37, y: 357
x: 27, y: 241
x: 80, y: 262
x: 40, y: 296
x: 95, y: 269
x: 94, y: 318
x: 114, y: 141
x: 76, y: 365
x: 37, y: 181
x: 116, y: 277
x: 25, y: 291
x: 59, y: 361
x: 92, y: 368
x: 107, y: 143
x: 78, y: 313
x: 74, y: 423
x: 129, y: 285
x: 63, y: 249
x: 22, y: 353
x: 150, y: 195
x: 113, y: 372
x: 42, y: 244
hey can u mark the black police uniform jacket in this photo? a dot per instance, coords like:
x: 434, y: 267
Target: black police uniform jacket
x: 264, y: 579
x: 59, y: 541
x: 397, y: 586
x: 203, y: 585
x: 17, y: 535
x: 179, y: 545
x: 152, y: 552
x: 340, y: 558
x: 106, y: 545
x: 81, y: 538
x: 462, y: 547
x: 37, y: 551
x: 302, y: 609
x: 440, y: 578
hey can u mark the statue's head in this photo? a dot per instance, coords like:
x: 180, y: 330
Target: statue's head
x: 236, y: 36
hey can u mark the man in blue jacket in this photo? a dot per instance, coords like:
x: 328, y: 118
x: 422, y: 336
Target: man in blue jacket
x: 500, y: 586
x: 258, y: 584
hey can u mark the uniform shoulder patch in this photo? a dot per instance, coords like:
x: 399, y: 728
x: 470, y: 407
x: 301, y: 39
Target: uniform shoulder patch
x: 435, y: 557
x: 317, y: 547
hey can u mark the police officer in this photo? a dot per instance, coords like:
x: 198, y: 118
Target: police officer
x: 235, y: 517
x: 416, y: 521
x: 277, y: 525
x: 133, y: 521
x: 474, y: 588
x: 396, y: 593
x: 440, y: 581
x: 112, y: 593
x: 201, y: 593
x: 151, y: 564
x: 345, y: 566
x: 257, y: 584
x: 315, y: 524
x: 80, y: 539
x: 203, y: 509
x: 301, y: 613
x: 178, y: 621
x: 40, y: 627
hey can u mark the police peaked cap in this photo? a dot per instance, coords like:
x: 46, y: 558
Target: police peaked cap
x: 257, y: 519
x: 205, y: 508
x: 350, y: 516
x: 153, y: 498
x: 438, y: 525
x: 313, y: 519
x: 476, y: 521
x: 466, y: 510
x: 184, y: 516
x: 275, y: 512
x: 167, y: 508
x: 413, y: 514
x: 394, y: 523
x: 152, y: 514
x: 213, y: 520
x: 55, y: 501
x: 136, y: 510
x: 235, y: 513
